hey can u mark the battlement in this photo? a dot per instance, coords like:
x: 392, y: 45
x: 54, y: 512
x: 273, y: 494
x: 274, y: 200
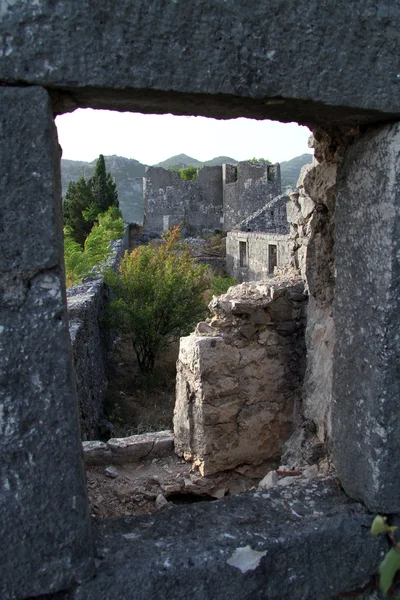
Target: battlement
x: 219, y: 198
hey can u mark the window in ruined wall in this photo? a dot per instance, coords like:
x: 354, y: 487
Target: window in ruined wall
x: 165, y: 223
x: 243, y: 254
x: 272, y: 257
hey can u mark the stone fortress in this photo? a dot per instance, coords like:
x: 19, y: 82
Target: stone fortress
x: 310, y: 540
x: 237, y: 199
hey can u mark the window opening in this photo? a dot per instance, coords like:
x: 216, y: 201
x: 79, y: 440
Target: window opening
x: 243, y: 254
x: 272, y: 257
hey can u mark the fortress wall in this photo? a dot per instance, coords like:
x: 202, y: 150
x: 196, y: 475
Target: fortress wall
x: 247, y: 190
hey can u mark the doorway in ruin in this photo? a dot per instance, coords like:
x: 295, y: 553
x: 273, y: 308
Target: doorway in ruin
x: 272, y: 258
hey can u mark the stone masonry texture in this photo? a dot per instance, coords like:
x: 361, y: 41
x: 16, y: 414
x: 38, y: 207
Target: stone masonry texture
x: 239, y: 377
x: 329, y: 66
x: 366, y: 387
x: 194, y: 205
x: 44, y: 526
x: 257, y: 267
x: 273, y: 60
x: 311, y: 543
x: 247, y: 188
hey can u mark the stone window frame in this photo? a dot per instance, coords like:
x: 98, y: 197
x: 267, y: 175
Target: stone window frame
x: 244, y: 265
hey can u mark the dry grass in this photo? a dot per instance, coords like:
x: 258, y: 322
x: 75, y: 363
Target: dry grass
x: 136, y: 404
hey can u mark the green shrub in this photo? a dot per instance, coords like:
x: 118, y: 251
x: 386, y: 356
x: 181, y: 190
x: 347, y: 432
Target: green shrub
x: 186, y: 173
x: 97, y: 250
x: 390, y: 564
x: 86, y: 199
x: 220, y: 285
x: 158, y: 296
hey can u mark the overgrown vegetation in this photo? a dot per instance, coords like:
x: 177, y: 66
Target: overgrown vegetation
x: 390, y: 565
x: 92, y: 220
x: 97, y: 249
x: 220, y: 284
x: 158, y: 296
x: 85, y: 200
x: 187, y: 173
x: 257, y: 160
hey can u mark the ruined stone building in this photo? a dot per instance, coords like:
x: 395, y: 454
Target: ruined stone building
x: 259, y: 243
x: 217, y: 200
x: 194, y: 205
x: 272, y: 60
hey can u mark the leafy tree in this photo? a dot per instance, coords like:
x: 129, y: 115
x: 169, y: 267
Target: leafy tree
x: 86, y: 199
x: 188, y: 173
x: 220, y: 284
x: 97, y: 250
x: 158, y: 296
x: 77, y: 199
x: 257, y: 160
x: 104, y: 188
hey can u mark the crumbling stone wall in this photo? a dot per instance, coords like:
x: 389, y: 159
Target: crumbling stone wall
x: 265, y: 228
x: 90, y: 343
x: 247, y: 188
x: 169, y: 201
x: 311, y: 214
x: 42, y: 73
x: 257, y: 263
x: 239, y: 377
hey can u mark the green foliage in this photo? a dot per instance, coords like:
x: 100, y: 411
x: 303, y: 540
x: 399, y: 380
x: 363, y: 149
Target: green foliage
x: 85, y: 200
x: 77, y: 200
x: 104, y: 189
x: 257, y: 160
x: 390, y: 565
x: 187, y: 173
x: 79, y: 262
x: 220, y: 285
x: 158, y: 296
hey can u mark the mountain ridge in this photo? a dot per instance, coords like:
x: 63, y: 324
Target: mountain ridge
x: 128, y: 173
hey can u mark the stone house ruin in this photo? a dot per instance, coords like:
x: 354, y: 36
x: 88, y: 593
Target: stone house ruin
x: 170, y: 201
x: 259, y: 243
x: 218, y: 199
x: 283, y: 63
x: 248, y: 186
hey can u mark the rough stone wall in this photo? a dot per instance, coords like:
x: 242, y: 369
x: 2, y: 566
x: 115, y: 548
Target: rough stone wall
x: 271, y: 218
x: 195, y: 205
x: 44, y: 526
x: 85, y: 306
x: 90, y: 342
x: 239, y: 377
x: 248, y: 187
x: 257, y: 244
x: 311, y: 215
x: 366, y: 383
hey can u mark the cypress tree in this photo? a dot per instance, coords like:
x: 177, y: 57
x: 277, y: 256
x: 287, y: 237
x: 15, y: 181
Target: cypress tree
x: 77, y: 199
x: 103, y: 187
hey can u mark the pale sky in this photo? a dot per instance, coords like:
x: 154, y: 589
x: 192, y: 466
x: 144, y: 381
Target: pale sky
x: 86, y: 133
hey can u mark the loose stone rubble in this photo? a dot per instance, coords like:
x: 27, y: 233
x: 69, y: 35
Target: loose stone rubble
x: 239, y: 376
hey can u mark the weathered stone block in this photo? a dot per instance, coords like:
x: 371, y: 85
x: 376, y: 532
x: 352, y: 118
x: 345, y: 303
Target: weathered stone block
x: 136, y: 447
x: 366, y: 383
x: 307, y: 541
x: 44, y: 528
x: 238, y: 386
x: 131, y: 49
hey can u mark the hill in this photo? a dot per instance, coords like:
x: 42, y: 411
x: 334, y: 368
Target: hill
x: 183, y: 160
x: 128, y: 174
x: 178, y: 162
x: 290, y: 169
x: 219, y: 160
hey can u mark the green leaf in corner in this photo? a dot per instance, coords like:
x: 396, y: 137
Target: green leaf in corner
x: 388, y: 569
x: 379, y: 525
